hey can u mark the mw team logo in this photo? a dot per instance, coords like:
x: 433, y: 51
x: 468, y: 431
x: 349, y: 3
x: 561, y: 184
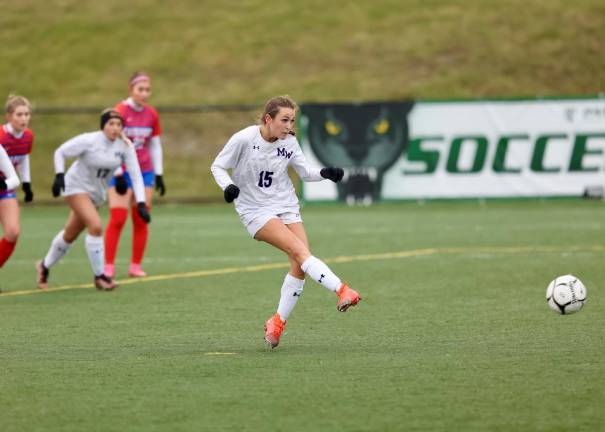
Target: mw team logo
x: 284, y: 153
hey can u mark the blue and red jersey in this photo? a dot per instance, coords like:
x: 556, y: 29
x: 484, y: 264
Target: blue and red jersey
x: 140, y: 126
x: 16, y: 148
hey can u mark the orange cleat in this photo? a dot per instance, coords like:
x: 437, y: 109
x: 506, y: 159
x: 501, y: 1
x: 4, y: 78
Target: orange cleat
x: 135, y: 271
x: 347, y: 297
x: 42, y: 275
x: 105, y: 283
x: 273, y: 329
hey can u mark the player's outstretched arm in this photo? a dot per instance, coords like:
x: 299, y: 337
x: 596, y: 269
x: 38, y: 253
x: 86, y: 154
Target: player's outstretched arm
x: 132, y: 166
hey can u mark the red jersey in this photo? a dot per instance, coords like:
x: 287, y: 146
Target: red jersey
x: 16, y: 148
x: 140, y: 126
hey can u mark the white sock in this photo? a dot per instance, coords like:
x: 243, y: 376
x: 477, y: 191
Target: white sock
x: 58, y: 248
x: 291, y: 290
x: 321, y: 273
x: 96, y: 253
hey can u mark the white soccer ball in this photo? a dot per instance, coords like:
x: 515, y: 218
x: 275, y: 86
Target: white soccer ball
x: 566, y: 294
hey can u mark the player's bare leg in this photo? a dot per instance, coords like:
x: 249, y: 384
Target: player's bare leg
x: 291, y: 291
x: 346, y: 296
x: 86, y: 213
x: 293, y: 241
x: 59, y: 246
x: 9, y: 219
x: 277, y: 234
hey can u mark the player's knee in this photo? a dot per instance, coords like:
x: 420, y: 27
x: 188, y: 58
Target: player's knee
x: 12, y: 234
x: 299, y: 255
x: 118, y: 216
x: 95, y: 229
x: 296, y: 271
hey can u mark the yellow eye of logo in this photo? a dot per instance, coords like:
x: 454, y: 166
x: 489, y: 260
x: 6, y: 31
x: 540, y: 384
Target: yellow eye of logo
x: 332, y: 128
x: 382, y: 127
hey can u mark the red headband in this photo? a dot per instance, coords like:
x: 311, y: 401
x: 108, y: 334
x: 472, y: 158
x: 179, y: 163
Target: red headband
x: 138, y: 79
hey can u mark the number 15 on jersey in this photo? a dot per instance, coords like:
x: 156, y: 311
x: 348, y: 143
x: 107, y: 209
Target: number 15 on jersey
x: 265, y: 178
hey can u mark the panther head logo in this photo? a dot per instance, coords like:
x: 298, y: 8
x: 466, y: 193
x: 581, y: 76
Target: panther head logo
x: 365, y: 139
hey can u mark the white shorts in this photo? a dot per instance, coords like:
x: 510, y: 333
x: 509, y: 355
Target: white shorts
x: 97, y: 198
x: 255, y: 221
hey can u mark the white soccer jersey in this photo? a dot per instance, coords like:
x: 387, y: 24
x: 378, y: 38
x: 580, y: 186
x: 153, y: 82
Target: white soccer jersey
x: 97, y: 159
x: 260, y: 170
x: 8, y: 170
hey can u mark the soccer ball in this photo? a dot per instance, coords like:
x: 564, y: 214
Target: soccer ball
x: 566, y: 294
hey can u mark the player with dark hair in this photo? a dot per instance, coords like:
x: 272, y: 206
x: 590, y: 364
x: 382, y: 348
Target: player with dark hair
x: 84, y: 186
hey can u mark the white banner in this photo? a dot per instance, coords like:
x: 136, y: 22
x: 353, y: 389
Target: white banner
x: 479, y: 149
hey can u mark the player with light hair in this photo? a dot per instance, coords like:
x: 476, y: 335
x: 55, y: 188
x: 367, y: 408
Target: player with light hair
x: 142, y: 127
x: 17, y: 141
x: 84, y: 186
x: 265, y: 199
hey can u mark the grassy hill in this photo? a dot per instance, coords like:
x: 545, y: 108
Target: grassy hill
x: 73, y: 53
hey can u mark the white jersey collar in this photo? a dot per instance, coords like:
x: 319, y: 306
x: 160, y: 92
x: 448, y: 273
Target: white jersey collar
x: 132, y: 104
x: 9, y: 128
x: 260, y: 136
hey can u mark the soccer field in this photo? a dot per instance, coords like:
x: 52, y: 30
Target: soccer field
x: 453, y: 332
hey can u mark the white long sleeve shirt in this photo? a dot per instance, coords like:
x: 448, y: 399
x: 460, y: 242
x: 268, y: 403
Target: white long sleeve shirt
x: 97, y: 159
x: 8, y: 170
x: 24, y: 171
x: 260, y: 170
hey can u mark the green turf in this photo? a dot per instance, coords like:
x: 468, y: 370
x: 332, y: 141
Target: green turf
x: 458, y: 339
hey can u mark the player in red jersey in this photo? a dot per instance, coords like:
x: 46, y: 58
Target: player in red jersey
x: 142, y: 126
x: 17, y: 141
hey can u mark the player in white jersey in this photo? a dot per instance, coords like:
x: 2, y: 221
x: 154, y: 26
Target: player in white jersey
x: 8, y: 180
x: 84, y: 187
x: 266, y: 202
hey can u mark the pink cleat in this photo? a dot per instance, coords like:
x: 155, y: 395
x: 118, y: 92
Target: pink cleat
x: 347, y: 297
x: 273, y: 330
x: 135, y: 271
x: 110, y: 270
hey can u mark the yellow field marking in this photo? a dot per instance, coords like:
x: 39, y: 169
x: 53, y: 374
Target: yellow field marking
x: 220, y: 353
x: 339, y: 259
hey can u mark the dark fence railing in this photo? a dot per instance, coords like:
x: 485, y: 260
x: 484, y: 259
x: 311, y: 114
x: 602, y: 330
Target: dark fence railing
x: 168, y: 109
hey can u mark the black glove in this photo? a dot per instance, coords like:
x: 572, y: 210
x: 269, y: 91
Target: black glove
x: 231, y: 192
x: 3, y: 185
x: 332, y: 173
x: 58, y: 185
x: 27, y: 190
x: 121, y: 184
x: 142, y: 211
x: 159, y: 184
